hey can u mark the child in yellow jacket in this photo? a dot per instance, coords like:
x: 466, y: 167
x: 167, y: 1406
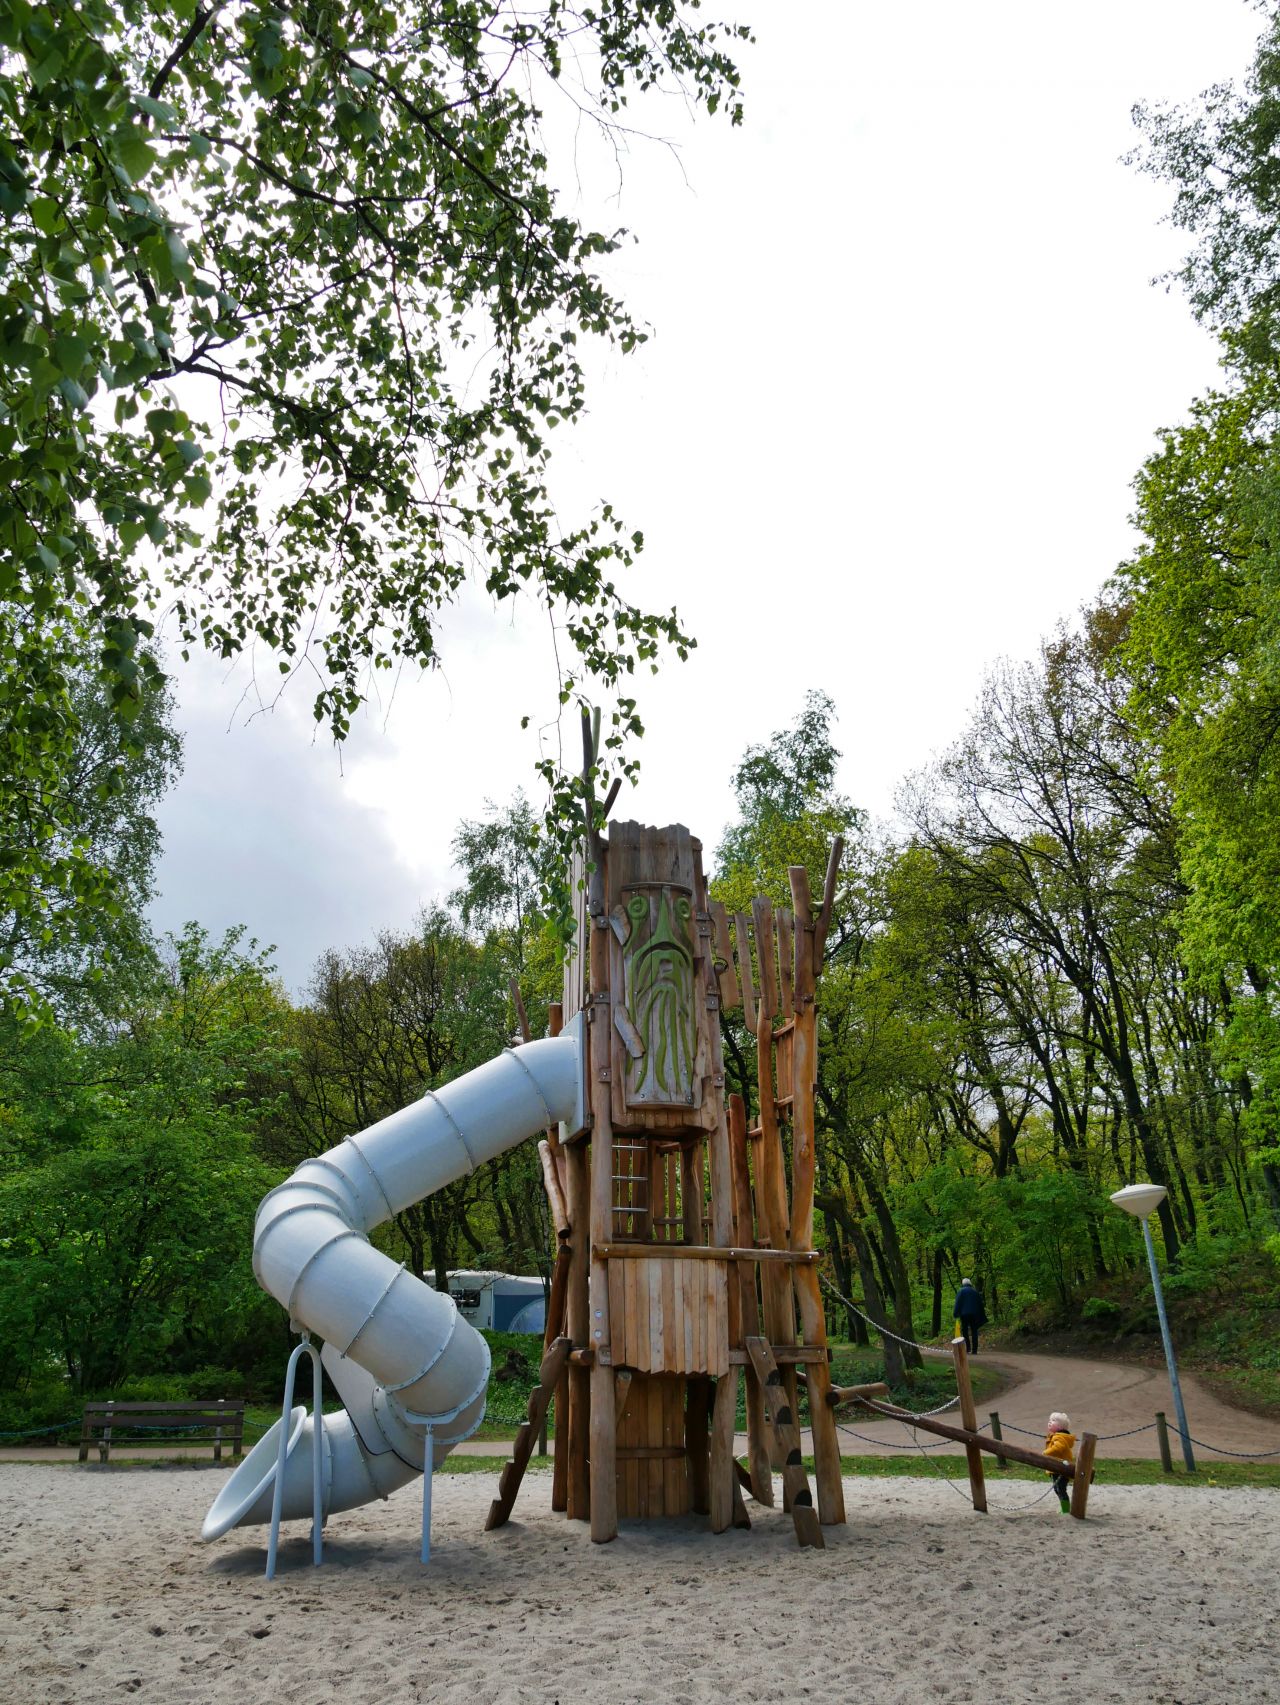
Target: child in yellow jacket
x: 1060, y: 1442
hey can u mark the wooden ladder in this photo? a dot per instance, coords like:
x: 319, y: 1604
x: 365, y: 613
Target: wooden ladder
x: 509, y: 1484
x: 794, y: 1479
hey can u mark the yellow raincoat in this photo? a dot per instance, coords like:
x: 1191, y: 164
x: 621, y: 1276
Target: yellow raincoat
x: 1061, y: 1445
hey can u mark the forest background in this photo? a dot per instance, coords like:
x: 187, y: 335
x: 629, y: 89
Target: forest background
x: 1056, y: 973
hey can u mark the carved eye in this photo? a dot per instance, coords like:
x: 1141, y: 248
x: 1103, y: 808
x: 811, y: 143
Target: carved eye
x: 684, y: 911
x: 637, y: 907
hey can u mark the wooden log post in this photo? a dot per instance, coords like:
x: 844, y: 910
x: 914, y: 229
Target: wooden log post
x: 723, y: 1419
x: 969, y: 1416
x: 997, y: 1435
x: 1083, y: 1475
x: 603, y: 1429
x: 804, y: 1068
x: 1162, y: 1434
x: 576, y: 1491
x: 744, y: 1235
x: 771, y: 1195
x: 697, y: 1443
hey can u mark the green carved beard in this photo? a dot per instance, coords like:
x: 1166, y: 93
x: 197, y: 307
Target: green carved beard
x: 661, y: 1000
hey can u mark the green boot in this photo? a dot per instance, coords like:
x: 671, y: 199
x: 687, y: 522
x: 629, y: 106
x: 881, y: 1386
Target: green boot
x: 1064, y: 1504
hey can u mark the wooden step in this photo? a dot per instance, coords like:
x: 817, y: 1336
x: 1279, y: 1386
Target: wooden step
x: 794, y: 1479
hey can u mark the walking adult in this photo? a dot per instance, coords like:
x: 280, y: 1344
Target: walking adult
x: 969, y: 1314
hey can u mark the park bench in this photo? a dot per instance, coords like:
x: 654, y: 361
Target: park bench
x: 112, y: 1423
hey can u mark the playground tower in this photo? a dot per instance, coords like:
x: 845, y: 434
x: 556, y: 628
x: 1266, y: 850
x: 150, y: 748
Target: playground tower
x: 686, y: 1261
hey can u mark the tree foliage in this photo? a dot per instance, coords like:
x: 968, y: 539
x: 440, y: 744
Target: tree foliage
x: 289, y: 312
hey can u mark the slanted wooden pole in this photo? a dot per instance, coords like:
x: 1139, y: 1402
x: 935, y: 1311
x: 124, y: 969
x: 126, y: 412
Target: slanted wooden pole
x: 963, y: 1436
x: 969, y: 1416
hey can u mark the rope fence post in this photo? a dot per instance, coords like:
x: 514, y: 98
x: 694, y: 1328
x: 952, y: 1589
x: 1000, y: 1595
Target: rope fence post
x: 1162, y: 1433
x: 996, y: 1434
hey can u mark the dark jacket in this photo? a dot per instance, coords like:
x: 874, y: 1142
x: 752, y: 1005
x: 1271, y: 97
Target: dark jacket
x: 969, y: 1305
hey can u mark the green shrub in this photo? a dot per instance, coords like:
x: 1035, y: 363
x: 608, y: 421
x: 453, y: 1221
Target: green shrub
x: 1099, y: 1308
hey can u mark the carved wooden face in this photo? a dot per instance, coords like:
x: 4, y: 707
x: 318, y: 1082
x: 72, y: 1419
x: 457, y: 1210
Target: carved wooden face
x: 658, y: 971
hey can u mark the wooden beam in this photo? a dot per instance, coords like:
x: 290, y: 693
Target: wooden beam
x: 723, y: 1417
x: 847, y: 1393
x: 786, y: 1355
x: 702, y: 1252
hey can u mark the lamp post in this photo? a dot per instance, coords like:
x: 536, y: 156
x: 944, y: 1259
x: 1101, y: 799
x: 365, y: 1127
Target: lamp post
x: 1141, y: 1200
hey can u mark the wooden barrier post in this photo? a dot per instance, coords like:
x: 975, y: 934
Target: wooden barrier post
x: 997, y: 1434
x: 1162, y: 1433
x: 1083, y: 1475
x: 969, y: 1418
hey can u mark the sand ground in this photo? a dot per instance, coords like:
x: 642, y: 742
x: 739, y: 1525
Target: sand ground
x: 1164, y: 1595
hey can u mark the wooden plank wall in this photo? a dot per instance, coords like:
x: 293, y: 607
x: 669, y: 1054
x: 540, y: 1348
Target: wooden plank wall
x: 670, y: 1316
x: 653, y: 1462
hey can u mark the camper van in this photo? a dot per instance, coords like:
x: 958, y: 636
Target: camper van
x: 501, y: 1302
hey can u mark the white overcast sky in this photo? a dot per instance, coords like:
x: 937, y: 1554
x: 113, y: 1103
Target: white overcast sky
x: 907, y: 358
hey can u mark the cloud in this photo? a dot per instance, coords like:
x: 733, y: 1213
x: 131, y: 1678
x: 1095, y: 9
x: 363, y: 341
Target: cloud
x: 263, y: 829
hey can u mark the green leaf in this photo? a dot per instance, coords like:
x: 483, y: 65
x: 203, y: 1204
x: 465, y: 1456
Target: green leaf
x: 135, y: 155
x: 46, y: 215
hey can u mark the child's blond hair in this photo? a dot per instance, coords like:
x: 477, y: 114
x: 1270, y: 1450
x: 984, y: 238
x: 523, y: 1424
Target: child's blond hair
x: 1059, y: 1423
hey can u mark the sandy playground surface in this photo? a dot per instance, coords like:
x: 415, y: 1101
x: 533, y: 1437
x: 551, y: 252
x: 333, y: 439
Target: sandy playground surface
x: 1162, y: 1595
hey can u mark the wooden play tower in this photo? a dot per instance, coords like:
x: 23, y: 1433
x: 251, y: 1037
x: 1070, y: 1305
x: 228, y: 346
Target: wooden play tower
x: 685, y: 1259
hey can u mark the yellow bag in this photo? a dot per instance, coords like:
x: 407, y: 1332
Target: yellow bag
x: 957, y: 1333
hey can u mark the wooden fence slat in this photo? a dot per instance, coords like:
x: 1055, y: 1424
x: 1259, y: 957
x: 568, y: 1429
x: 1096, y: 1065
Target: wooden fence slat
x: 786, y: 963
x: 762, y: 918
x: 726, y: 975
x: 742, y: 931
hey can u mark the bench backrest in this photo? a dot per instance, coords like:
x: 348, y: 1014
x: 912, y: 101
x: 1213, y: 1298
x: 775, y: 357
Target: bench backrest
x: 148, y: 1415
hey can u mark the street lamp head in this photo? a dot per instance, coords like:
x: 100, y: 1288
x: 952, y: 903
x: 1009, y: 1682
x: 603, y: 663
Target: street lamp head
x: 1140, y: 1199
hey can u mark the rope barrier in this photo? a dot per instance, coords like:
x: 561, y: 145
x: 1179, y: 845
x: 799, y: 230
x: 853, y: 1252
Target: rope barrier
x: 1102, y: 1438
x: 924, y: 1349
x: 887, y: 1444
x: 1218, y: 1450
